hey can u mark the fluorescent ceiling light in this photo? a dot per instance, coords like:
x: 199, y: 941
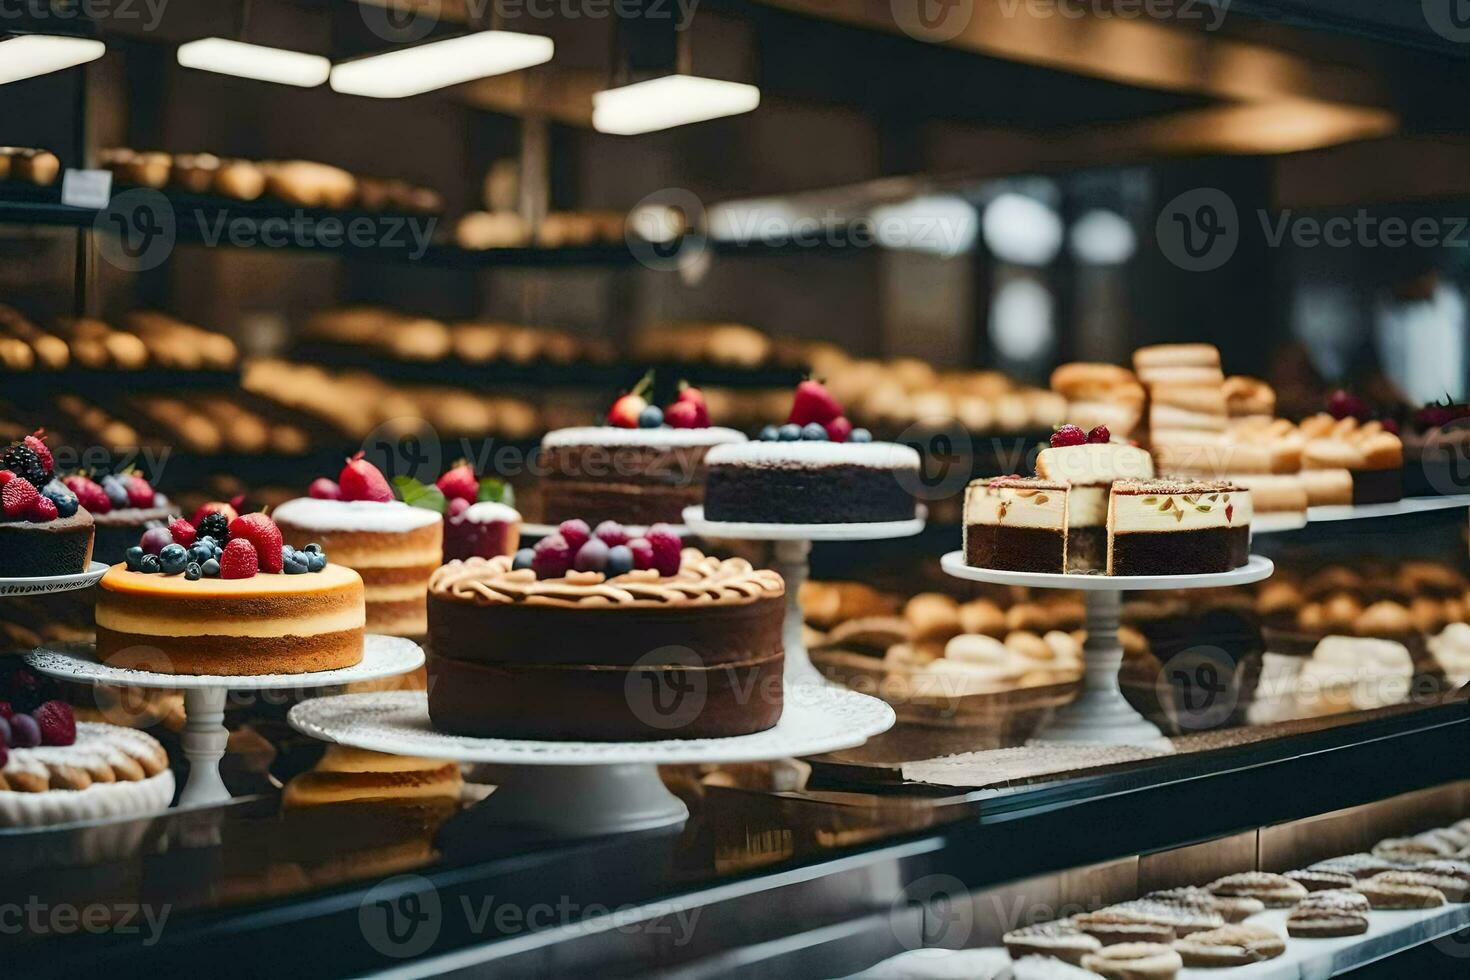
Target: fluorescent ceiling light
x: 422, y: 68
x: 256, y: 61
x: 29, y: 55
x: 672, y: 100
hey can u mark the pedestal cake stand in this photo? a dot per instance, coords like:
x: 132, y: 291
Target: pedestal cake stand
x: 205, y: 735
x: 557, y: 790
x: 792, y: 561
x: 1101, y: 715
x: 47, y: 584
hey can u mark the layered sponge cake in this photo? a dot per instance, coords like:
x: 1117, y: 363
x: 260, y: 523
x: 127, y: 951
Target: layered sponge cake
x: 1166, y: 527
x: 1017, y: 524
x: 1089, y: 470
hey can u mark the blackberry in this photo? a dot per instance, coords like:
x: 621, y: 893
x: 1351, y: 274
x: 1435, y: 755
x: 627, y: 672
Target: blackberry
x: 216, y: 526
x: 23, y: 462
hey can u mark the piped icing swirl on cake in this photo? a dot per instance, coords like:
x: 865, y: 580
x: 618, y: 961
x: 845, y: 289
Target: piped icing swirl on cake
x: 354, y: 515
x: 611, y: 435
x: 877, y: 455
x: 702, y: 580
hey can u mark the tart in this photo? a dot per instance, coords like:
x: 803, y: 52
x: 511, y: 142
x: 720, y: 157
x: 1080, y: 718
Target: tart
x: 107, y: 771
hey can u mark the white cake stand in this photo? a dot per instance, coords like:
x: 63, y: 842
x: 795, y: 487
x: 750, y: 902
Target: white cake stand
x: 205, y: 735
x: 792, y: 561
x: 558, y: 790
x: 46, y: 584
x: 1101, y: 715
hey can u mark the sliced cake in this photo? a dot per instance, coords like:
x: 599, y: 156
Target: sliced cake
x: 1016, y: 524
x: 1167, y: 527
x: 1090, y: 468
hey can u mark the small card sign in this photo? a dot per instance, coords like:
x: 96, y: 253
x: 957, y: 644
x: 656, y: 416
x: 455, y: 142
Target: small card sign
x: 86, y: 188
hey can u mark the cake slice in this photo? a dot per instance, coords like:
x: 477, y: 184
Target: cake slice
x: 1167, y: 527
x: 1016, y: 524
x: 1089, y: 471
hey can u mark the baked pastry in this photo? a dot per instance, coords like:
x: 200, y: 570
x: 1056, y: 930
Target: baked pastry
x: 1319, y: 880
x: 1329, y: 915
x: 1101, y: 394
x: 1089, y: 471
x: 1184, y: 916
x: 1358, y: 865
x: 1327, y: 487
x: 30, y: 164
x: 1179, y: 364
x: 44, y: 530
x: 1016, y: 524
x: 105, y: 772
x: 1374, y: 456
x: 810, y: 482
x: 1249, y: 398
x: 1060, y: 940
x: 1135, y: 961
x: 1111, y: 926
x: 1161, y: 527
x: 1276, y: 891
x: 345, y: 774
x: 1454, y: 888
x: 1232, y: 908
x: 393, y: 546
x: 1237, y: 945
x: 1384, y: 892
x: 510, y: 647
x: 254, y: 606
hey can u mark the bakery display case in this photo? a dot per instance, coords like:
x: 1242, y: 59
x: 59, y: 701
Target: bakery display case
x: 778, y: 489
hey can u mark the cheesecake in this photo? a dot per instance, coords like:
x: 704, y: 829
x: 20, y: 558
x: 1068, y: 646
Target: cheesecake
x: 1089, y: 471
x: 1166, y: 527
x: 1016, y: 524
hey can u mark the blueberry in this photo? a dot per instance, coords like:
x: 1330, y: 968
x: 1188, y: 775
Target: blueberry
x: 210, y: 568
x: 173, y: 559
x: 116, y: 490
x: 770, y: 434
x: 149, y: 564
x: 651, y: 417
x: 523, y: 558
x: 193, y: 572
x: 200, y: 553
x: 619, y: 560
x: 64, y: 499
x: 813, y: 432
x: 315, y: 561
x: 294, y: 564
x: 134, y: 558
x: 314, y: 549
x: 205, y: 539
x: 860, y: 435
x: 790, y: 432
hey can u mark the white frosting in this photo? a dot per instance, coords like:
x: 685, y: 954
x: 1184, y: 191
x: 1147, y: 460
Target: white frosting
x: 1096, y: 463
x: 353, y: 515
x: 1016, y: 506
x: 488, y: 511
x: 877, y: 455
x: 1131, y: 513
x: 611, y: 435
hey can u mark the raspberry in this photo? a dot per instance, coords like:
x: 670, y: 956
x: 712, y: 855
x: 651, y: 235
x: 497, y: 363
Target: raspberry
x: 183, y: 532
x: 1068, y: 435
x: 43, y: 511
x: 839, y: 429
x: 323, y: 489
x: 611, y: 533
x: 58, y: 723
x: 262, y: 533
x: 642, y: 553
x: 682, y: 415
x: 459, y: 484
x: 140, y: 494
x: 575, y: 533
x: 5, y: 477
x: 18, y: 497
x: 553, y: 557
x: 238, y: 560
x: 361, y: 480
x: 1100, y: 434
x: 456, y: 507
x: 43, y: 454
x: 89, y: 494
x: 668, y: 549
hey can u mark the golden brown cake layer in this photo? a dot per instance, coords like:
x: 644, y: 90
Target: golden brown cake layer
x: 395, y: 567
x: 230, y: 655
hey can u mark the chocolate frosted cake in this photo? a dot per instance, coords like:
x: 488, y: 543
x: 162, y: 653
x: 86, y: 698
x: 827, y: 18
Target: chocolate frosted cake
x: 589, y: 657
x: 1016, y: 524
x: 633, y: 476
x: 811, y: 483
x: 61, y: 546
x: 1164, y: 527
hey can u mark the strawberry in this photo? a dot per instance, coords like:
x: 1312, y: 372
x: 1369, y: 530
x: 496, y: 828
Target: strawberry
x: 238, y: 560
x: 839, y: 429
x: 183, y: 532
x: 35, y: 445
x: 324, y: 489
x: 214, y: 507
x: 361, y: 480
x: 459, y: 483
x: 813, y: 403
x: 682, y: 415
x: 1068, y: 435
x: 140, y: 494
x: 89, y: 494
x: 42, y: 511
x: 689, y: 393
x: 264, y: 537
x: 58, y: 723
x: 625, y: 411
x: 17, y: 498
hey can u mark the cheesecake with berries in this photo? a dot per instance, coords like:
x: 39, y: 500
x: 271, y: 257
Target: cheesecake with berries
x: 43, y: 529
x: 393, y: 546
x: 228, y: 599
x: 1168, y: 527
x: 594, y: 635
x: 1017, y: 524
x: 1089, y: 465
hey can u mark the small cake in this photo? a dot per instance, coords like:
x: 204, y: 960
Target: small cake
x: 644, y: 467
x: 393, y: 546
x: 1373, y: 455
x: 122, y: 506
x: 1090, y: 469
x: 479, y: 521
x: 228, y: 599
x: 1161, y: 527
x: 647, y: 641
x: 43, y: 529
x: 811, y: 482
x: 1017, y: 524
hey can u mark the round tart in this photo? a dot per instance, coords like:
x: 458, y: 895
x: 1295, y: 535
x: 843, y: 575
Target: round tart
x: 107, y: 772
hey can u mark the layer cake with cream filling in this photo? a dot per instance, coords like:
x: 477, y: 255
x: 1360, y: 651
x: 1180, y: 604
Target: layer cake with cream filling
x: 1165, y: 527
x: 1017, y: 524
x: 811, y: 482
x: 1090, y: 470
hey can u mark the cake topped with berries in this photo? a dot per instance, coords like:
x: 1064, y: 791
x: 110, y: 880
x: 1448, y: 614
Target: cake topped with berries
x: 123, y: 505
x: 479, y: 521
x: 643, y: 467
x: 43, y: 529
x: 393, y: 546
x: 1089, y: 463
x: 565, y: 641
x: 224, y: 594
x: 814, y: 469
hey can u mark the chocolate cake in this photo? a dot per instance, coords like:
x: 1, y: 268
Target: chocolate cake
x: 118, y: 530
x: 1016, y: 524
x: 632, y: 476
x: 635, y: 656
x: 61, y: 546
x: 1089, y: 470
x: 811, y: 483
x: 1163, y: 527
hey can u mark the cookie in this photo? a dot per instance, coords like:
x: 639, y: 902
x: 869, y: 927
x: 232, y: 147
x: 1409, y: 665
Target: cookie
x: 1318, y: 880
x: 1329, y: 915
x: 1412, y: 849
x: 1231, y: 908
x: 1238, y: 945
x: 1061, y: 940
x: 1449, y: 867
x: 1357, y: 865
x: 1452, y: 888
x: 1135, y: 961
x: 1394, y: 895
x: 1111, y: 928
x: 1184, y: 917
x: 1276, y: 891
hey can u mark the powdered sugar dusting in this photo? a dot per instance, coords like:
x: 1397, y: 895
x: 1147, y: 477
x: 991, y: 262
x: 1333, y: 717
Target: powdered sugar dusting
x: 611, y: 435
x: 353, y: 515
x: 877, y: 455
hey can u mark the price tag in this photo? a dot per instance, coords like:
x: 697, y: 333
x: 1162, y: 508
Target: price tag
x: 86, y: 188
